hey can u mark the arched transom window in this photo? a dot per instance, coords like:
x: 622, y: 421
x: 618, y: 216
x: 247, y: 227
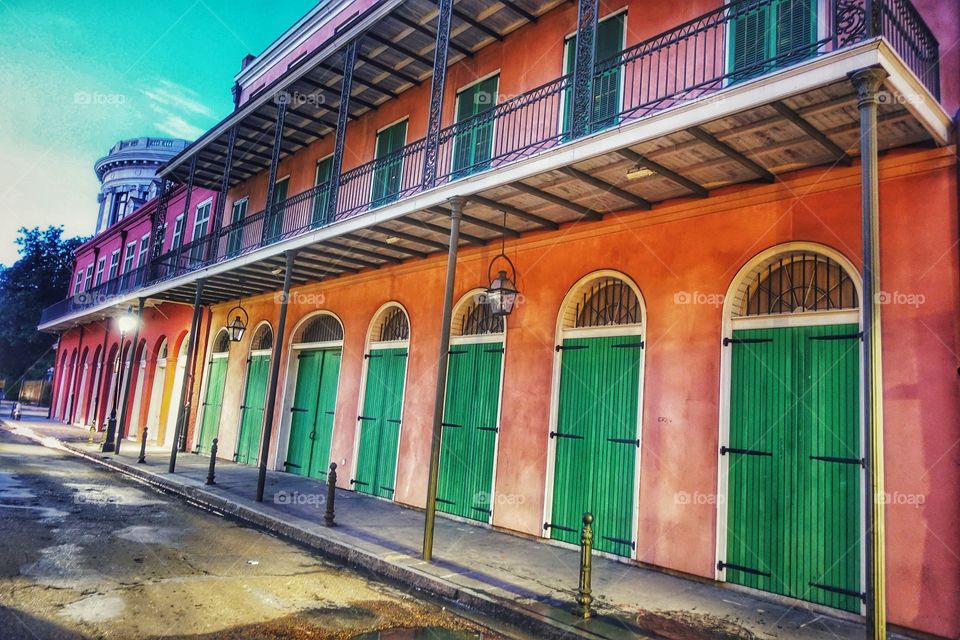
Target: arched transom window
x: 799, y: 282
x: 391, y: 325
x: 262, y: 338
x: 221, y: 344
x: 320, y: 328
x: 606, y: 301
x: 474, y: 318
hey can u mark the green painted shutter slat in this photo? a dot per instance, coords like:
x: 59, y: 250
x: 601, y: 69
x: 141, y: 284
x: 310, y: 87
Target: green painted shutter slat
x: 380, y: 428
x: 771, y: 36
x: 473, y: 146
x: 387, y: 173
x: 212, y: 404
x: 791, y: 515
x: 467, y: 453
x: 251, y: 416
x: 598, y: 405
x: 275, y: 217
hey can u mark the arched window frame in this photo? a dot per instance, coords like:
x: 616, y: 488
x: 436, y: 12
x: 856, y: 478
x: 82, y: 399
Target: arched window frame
x: 380, y: 317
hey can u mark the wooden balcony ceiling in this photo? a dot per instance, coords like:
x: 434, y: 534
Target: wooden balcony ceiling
x: 817, y: 128
x: 396, y: 54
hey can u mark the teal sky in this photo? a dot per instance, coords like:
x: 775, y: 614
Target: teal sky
x: 77, y: 76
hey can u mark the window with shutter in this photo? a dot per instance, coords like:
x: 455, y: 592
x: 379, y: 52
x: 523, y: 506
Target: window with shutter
x: 606, y: 82
x: 770, y: 36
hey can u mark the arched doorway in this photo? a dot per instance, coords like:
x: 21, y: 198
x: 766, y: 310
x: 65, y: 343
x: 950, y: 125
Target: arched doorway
x: 378, y: 441
x: 156, y: 392
x: 91, y: 394
x: 210, y: 410
x: 595, y: 424
x: 315, y: 362
x: 790, y: 463
x: 77, y: 417
x: 61, y: 387
x: 176, y: 391
x: 254, y: 396
x: 134, y: 425
x: 471, y: 412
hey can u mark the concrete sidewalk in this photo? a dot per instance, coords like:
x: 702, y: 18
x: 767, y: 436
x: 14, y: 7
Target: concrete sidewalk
x: 528, y: 583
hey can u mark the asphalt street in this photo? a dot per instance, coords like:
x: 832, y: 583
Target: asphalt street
x: 85, y: 553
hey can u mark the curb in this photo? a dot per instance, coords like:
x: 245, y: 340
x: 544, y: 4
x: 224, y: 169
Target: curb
x: 500, y: 609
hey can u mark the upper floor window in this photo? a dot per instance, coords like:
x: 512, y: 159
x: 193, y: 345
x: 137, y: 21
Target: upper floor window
x: 114, y: 264
x: 387, y: 172
x: 607, y: 84
x: 473, y: 143
x: 201, y: 220
x: 144, y: 245
x: 128, y: 257
x: 235, y: 238
x: 88, y: 278
x: 100, y: 264
x: 177, y: 232
x: 770, y: 35
x: 78, y: 282
x: 118, y: 206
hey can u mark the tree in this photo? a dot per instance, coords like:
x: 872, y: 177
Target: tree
x: 38, y: 279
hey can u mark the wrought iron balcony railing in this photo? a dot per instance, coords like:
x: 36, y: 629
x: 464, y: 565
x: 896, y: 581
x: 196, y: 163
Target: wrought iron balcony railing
x: 691, y: 62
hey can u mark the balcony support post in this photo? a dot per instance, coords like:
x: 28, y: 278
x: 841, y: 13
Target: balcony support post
x: 343, y: 115
x: 183, y: 411
x: 435, y: 119
x: 100, y: 371
x: 456, y: 210
x: 189, y: 194
x: 158, y: 222
x: 278, y: 342
x: 134, y: 363
x: 281, y: 99
x: 584, y: 61
x: 222, y: 196
x: 868, y: 83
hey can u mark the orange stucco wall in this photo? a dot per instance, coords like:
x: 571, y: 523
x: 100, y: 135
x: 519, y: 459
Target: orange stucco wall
x: 693, y: 247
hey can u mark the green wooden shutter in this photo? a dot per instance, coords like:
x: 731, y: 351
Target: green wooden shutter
x: 251, y: 413
x: 274, y: 219
x: 303, y: 412
x: 387, y: 173
x: 470, y: 418
x: 324, y: 168
x: 473, y: 146
x: 326, y: 406
x: 793, y: 524
x: 606, y: 84
x: 771, y: 36
x: 596, y: 441
x: 212, y: 404
x: 380, y: 422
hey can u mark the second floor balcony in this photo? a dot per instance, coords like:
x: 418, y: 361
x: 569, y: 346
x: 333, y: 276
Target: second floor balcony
x: 712, y: 102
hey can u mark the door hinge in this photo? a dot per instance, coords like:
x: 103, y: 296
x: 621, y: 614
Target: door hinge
x: 365, y: 484
x: 497, y: 350
x: 739, y: 567
x: 550, y: 525
x: 493, y: 429
x: 365, y: 418
x: 859, y: 461
x: 844, y: 592
x: 372, y: 355
x: 629, y: 543
x: 571, y: 347
x: 747, y: 452
x: 457, y: 352
x: 635, y: 443
x: 557, y: 434
x: 299, y: 410
x: 629, y: 345
x: 729, y: 341
x: 451, y: 425
x: 839, y: 336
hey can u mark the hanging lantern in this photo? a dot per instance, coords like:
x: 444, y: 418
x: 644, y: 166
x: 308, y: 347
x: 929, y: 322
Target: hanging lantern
x: 501, y: 295
x: 237, y: 328
x: 127, y: 322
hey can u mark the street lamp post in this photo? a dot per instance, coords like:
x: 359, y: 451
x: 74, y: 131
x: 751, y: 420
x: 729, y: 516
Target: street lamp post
x: 124, y: 323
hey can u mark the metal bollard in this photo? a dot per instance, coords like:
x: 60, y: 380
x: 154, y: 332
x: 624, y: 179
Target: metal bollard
x: 93, y: 430
x: 585, y: 599
x: 331, y: 495
x: 143, y: 447
x: 213, y: 462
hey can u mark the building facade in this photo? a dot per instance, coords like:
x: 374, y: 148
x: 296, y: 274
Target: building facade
x: 733, y: 230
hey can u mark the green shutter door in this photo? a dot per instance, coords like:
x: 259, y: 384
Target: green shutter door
x: 320, y: 201
x: 793, y: 515
x: 380, y: 422
x: 212, y: 404
x: 606, y: 84
x: 596, y: 441
x: 771, y: 36
x: 387, y: 172
x: 311, y: 424
x: 473, y: 145
x: 470, y: 418
x: 275, y: 215
x: 251, y: 412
